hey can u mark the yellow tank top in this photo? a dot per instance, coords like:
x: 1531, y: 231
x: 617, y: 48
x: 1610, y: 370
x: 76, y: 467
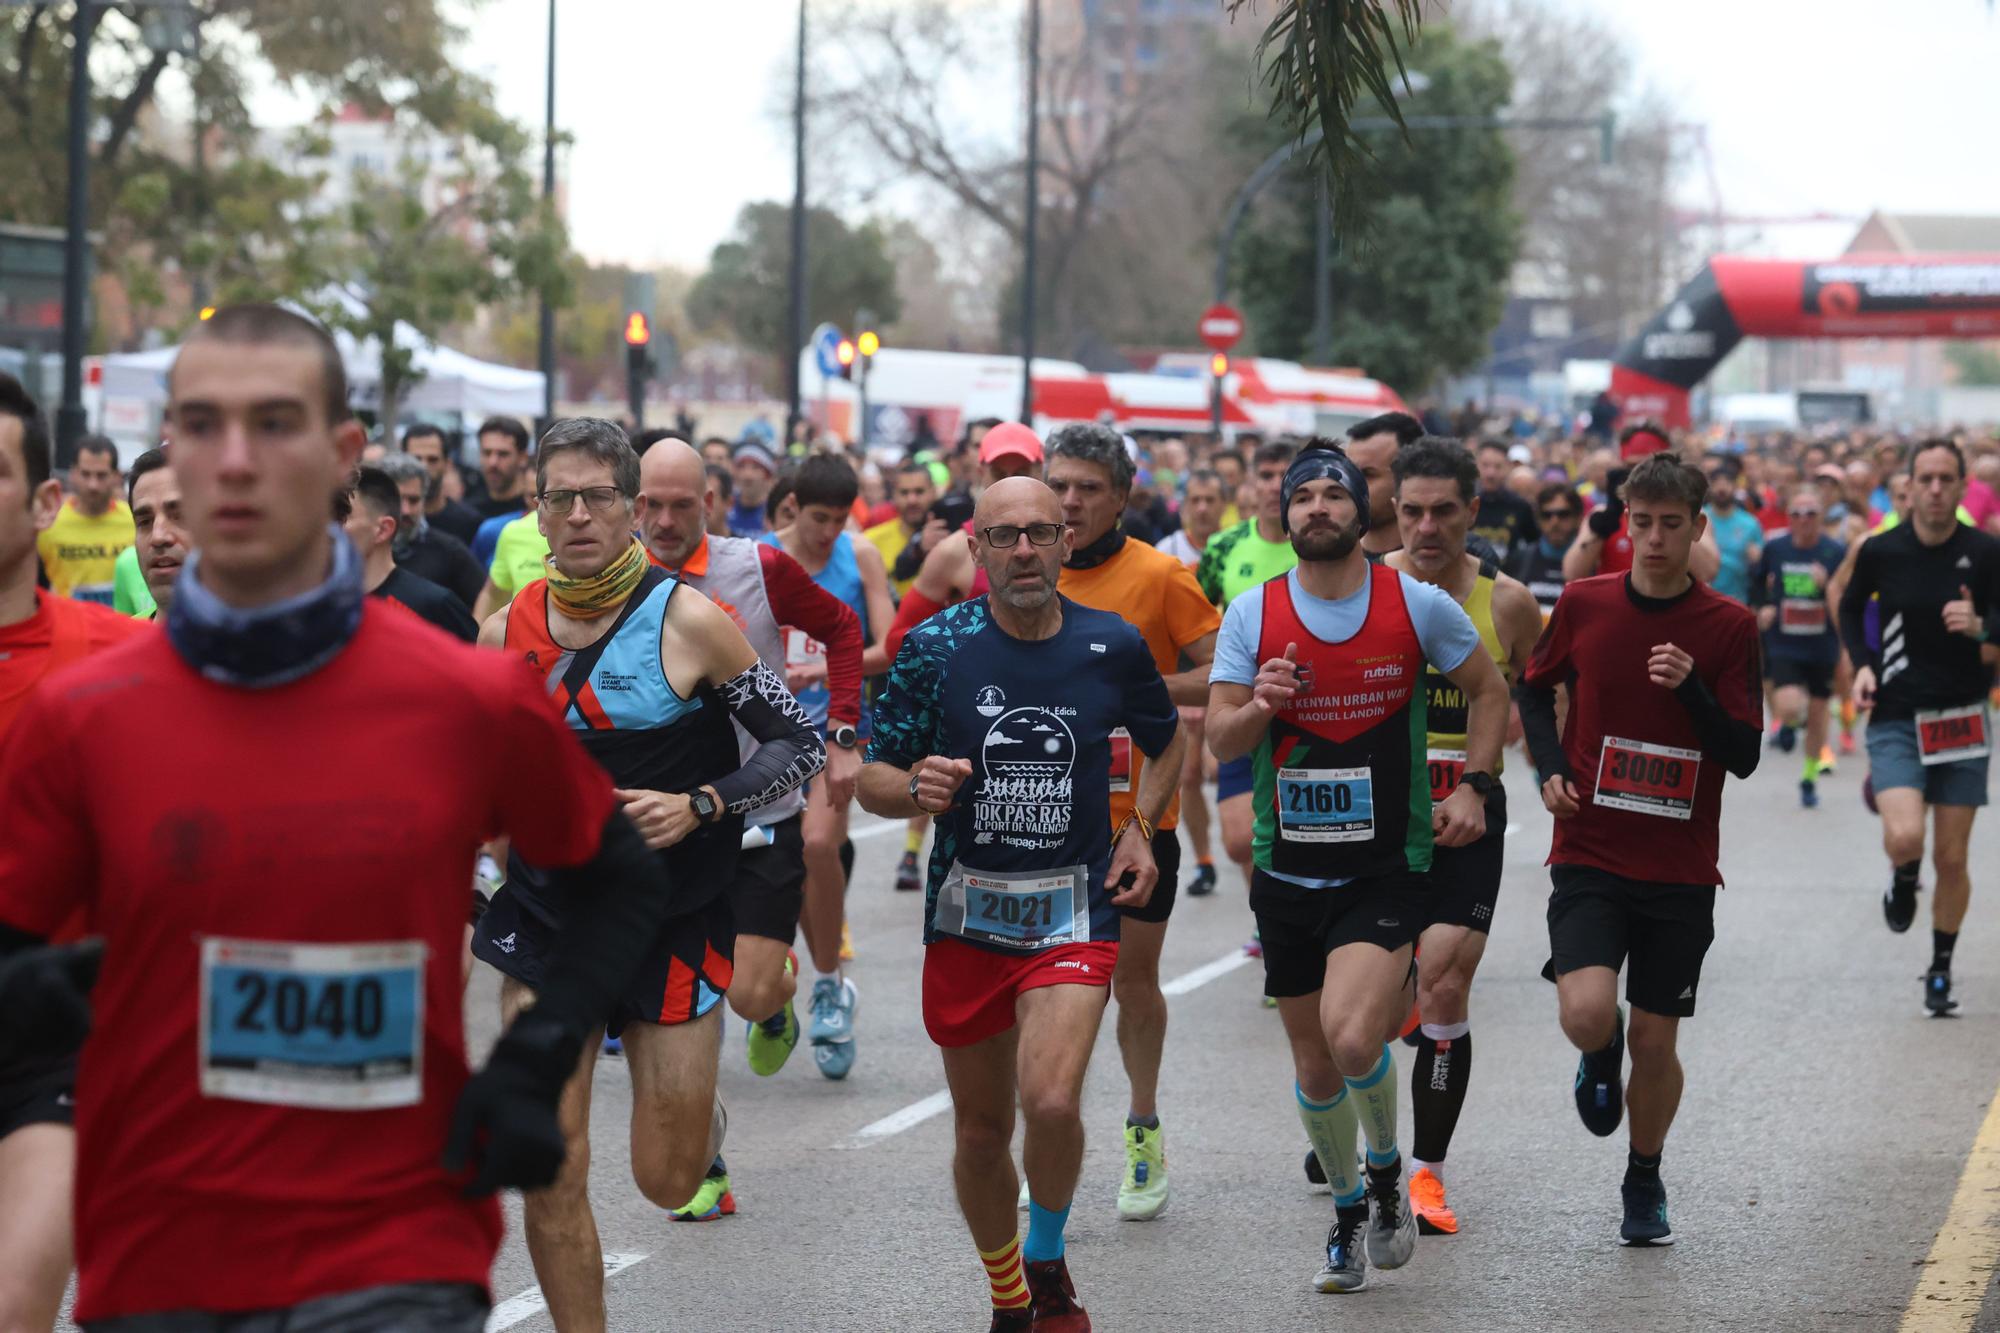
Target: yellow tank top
x: 1445, y: 703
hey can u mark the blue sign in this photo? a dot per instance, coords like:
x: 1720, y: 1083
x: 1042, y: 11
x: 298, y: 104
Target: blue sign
x: 826, y: 348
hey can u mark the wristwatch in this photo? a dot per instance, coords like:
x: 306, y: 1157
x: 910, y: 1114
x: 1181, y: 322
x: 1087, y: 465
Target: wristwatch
x: 1483, y: 783
x: 843, y: 735
x: 913, y: 793
x: 706, y: 808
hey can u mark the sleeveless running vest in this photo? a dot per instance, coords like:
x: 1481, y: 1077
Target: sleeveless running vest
x: 614, y: 694
x: 730, y: 573
x: 1339, y: 793
x: 1445, y: 704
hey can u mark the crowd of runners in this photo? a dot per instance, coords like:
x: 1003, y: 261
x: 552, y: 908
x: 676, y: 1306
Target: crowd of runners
x: 261, y: 818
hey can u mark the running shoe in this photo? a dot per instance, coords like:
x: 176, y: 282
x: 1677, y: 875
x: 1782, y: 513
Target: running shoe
x: 1142, y: 1195
x: 832, y: 1027
x: 1826, y: 760
x: 1808, y: 794
x: 1254, y: 946
x: 1847, y: 742
x: 1786, y: 739
x: 1899, y: 906
x: 1392, y: 1235
x: 713, y: 1200
x: 1346, y: 1267
x: 1600, y: 1085
x: 1434, y: 1215
x: 613, y: 1045
x: 1021, y: 1320
x: 1056, y: 1310
x: 1645, y: 1214
x: 1937, y: 993
x: 1203, y: 882
x: 771, y: 1042
x: 909, y: 881
x: 1315, y: 1173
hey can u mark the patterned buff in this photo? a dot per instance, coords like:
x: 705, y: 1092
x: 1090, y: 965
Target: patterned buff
x: 586, y: 599
x: 272, y: 645
x: 1318, y: 465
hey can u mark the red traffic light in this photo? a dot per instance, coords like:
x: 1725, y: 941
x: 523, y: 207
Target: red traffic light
x: 638, y: 332
x: 844, y: 352
x: 1218, y: 365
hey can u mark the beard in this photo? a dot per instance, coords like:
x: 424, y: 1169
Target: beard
x: 1327, y: 542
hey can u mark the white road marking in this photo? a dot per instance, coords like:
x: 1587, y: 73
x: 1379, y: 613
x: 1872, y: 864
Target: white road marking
x: 1512, y: 829
x: 938, y: 1102
x: 516, y: 1309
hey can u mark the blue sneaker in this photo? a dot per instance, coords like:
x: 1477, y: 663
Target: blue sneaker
x: 613, y: 1046
x: 1600, y: 1085
x: 831, y: 1030
x: 1808, y: 794
x: 1645, y: 1214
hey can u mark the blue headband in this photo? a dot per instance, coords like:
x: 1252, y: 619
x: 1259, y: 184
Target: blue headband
x: 1320, y: 465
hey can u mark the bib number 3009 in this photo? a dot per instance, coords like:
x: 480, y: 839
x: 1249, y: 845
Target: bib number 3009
x: 1647, y: 779
x: 1326, y: 805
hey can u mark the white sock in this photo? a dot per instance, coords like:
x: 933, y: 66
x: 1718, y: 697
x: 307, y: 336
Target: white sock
x: 1435, y: 1168
x: 836, y: 976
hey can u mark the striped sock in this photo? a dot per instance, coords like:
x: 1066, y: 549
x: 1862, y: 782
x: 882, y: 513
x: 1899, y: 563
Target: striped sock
x: 1006, y: 1276
x: 1375, y: 1106
x: 1332, y: 1126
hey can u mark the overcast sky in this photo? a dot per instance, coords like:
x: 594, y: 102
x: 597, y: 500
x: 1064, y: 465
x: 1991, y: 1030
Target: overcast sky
x: 1836, y: 105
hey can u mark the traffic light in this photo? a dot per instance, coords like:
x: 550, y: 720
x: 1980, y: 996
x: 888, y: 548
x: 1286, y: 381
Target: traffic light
x: 843, y: 352
x: 868, y: 344
x: 638, y: 363
x: 1218, y: 365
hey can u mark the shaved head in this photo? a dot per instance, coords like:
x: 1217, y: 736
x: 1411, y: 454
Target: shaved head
x: 1016, y: 500
x: 1022, y: 575
x: 672, y: 505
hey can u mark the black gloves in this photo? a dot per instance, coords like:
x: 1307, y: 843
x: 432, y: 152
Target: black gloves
x: 45, y: 997
x: 512, y: 1102
x: 1605, y: 519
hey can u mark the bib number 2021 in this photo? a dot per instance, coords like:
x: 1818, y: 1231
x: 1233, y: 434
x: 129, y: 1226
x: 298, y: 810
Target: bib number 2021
x: 1027, y: 912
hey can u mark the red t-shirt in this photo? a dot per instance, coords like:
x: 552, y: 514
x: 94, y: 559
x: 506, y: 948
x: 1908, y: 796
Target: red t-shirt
x: 60, y: 631
x: 201, y: 828
x: 1631, y: 742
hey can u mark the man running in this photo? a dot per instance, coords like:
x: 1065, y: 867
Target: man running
x: 1091, y: 475
x: 1372, y: 444
x: 80, y: 549
x: 39, y: 633
x: 1202, y: 507
x: 824, y: 487
x: 650, y: 681
x: 997, y: 722
x: 1664, y: 698
x: 1318, y: 677
x: 1925, y: 688
x: 275, y: 1073
x: 1506, y: 520
x: 1436, y: 507
x: 161, y: 540
x: 1539, y: 565
x: 371, y: 513
x: 900, y: 539
x: 1801, y: 645
x: 424, y: 550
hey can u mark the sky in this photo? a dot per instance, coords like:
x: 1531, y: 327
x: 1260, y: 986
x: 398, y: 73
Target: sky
x: 1842, y: 106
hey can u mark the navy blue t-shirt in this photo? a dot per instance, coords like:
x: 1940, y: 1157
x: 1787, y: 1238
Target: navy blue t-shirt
x: 1018, y: 864
x: 1805, y: 630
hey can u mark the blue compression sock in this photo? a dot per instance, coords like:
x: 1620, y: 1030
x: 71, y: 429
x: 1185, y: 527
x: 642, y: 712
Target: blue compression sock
x: 1045, y: 1233
x: 1374, y: 1096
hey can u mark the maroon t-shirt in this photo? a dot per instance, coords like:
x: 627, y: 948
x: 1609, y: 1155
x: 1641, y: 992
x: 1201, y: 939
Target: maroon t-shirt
x: 1650, y: 801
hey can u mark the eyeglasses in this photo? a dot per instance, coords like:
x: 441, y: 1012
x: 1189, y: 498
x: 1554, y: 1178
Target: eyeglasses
x: 1005, y: 536
x: 1558, y: 513
x: 1803, y: 513
x: 596, y: 499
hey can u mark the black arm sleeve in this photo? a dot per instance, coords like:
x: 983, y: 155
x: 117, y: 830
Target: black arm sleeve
x: 789, y: 750
x: 1853, y: 610
x: 1538, y: 728
x: 1730, y: 741
x: 613, y: 905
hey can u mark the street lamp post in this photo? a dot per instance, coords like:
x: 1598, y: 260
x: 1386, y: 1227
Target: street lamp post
x: 545, y: 333
x: 797, y: 341
x: 1033, y: 209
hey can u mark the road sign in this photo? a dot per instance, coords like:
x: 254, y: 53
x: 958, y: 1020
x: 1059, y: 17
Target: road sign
x: 1221, y: 326
x: 826, y: 345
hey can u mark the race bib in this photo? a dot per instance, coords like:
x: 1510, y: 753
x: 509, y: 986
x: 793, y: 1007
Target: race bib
x: 1947, y: 735
x: 801, y: 649
x: 1797, y: 616
x: 1326, y: 805
x: 1026, y: 911
x: 1647, y: 779
x: 1121, y: 760
x: 327, y: 1026
x: 1447, y: 768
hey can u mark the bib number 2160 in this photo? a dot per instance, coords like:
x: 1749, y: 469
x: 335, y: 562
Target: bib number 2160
x: 1326, y: 805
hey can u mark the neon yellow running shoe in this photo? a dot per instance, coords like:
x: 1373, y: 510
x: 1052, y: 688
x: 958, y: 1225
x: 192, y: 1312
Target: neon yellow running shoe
x: 1142, y: 1195
x: 772, y: 1041
x: 712, y: 1201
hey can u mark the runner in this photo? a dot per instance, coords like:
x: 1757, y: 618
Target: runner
x: 1436, y: 507
x: 1201, y: 518
x: 1317, y: 677
x: 1236, y: 560
x: 1925, y: 688
x: 1801, y: 646
x: 1021, y: 925
x: 424, y: 550
x: 1506, y: 521
x: 1372, y: 444
x: 80, y: 549
x: 370, y: 513
x: 824, y: 487
x: 506, y: 469
x: 900, y: 540
x: 302, y: 1107
x: 162, y: 542
x: 1738, y: 537
x: 1664, y: 698
x: 764, y: 590
x: 39, y: 632
x: 1091, y: 475
x: 1539, y: 565
x: 1605, y: 545
x: 650, y: 681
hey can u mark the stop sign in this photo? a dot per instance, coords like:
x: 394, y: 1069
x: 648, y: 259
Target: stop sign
x: 1221, y: 326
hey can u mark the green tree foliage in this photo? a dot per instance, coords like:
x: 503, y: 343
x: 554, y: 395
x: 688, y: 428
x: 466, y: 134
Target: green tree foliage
x: 745, y: 288
x: 1973, y: 363
x: 1421, y: 298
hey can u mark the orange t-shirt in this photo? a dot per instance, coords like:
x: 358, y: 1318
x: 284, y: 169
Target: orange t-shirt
x: 1159, y: 597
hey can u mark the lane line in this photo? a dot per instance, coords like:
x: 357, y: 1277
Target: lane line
x: 909, y: 1117
x: 518, y: 1309
x: 1966, y: 1255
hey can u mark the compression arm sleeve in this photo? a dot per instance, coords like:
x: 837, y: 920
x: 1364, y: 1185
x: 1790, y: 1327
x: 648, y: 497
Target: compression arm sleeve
x: 1727, y: 739
x: 914, y: 611
x: 1538, y: 728
x: 789, y: 750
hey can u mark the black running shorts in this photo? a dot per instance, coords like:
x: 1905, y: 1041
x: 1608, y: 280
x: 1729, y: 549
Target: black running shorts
x: 1598, y: 919
x: 1300, y: 927
x: 1167, y: 856
x: 1465, y: 881
x: 770, y: 884
x: 37, y: 1093
x: 415, y: 1307
x: 1815, y: 677
x: 683, y: 976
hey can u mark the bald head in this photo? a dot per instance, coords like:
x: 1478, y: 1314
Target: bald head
x: 1022, y: 573
x: 672, y: 508
x: 1018, y: 501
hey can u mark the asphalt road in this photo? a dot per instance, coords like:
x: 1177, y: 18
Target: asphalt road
x: 1818, y: 1152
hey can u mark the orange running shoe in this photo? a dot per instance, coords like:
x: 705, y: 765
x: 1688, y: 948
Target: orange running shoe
x: 1847, y: 742
x: 1434, y: 1215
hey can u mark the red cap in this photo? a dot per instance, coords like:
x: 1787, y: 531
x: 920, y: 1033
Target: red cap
x: 1643, y: 441
x: 1010, y: 437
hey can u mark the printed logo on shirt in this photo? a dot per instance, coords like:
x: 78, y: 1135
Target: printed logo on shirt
x: 1024, y: 796
x: 1096, y: 647
x: 506, y: 945
x: 184, y: 844
x: 991, y: 701
x: 1964, y: 562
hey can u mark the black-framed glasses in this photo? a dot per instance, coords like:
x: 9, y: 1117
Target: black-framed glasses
x: 596, y: 499
x: 1005, y: 536
x: 1558, y: 513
